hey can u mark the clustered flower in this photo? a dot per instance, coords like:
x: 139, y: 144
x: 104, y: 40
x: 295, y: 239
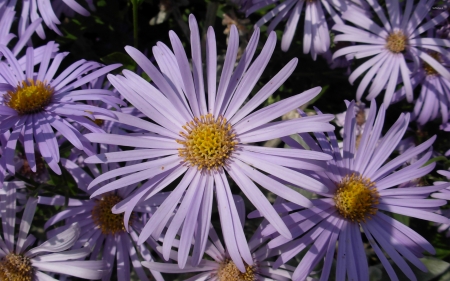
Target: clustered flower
x: 152, y: 161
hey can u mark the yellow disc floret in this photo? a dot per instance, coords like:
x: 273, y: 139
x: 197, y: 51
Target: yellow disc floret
x: 15, y: 268
x: 30, y: 97
x: 102, y: 215
x: 396, y: 42
x: 356, y: 198
x: 229, y: 272
x: 207, y: 142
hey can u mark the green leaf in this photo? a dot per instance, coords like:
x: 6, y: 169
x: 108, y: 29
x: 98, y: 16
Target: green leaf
x: 401, y: 218
x: 435, y: 159
x: 119, y: 57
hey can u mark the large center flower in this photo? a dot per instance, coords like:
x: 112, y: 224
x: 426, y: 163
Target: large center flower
x: 108, y: 222
x: 30, y: 97
x: 396, y: 42
x: 356, y: 198
x: 207, y: 142
x: 229, y: 272
x: 15, y: 268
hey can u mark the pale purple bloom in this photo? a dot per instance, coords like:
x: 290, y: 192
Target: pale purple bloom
x: 214, y: 141
x: 434, y: 98
x: 51, y: 256
x: 316, y: 35
x: 54, y: 103
x: 220, y: 267
x: 111, y: 240
x: 399, y: 38
x: 35, y: 9
x: 444, y: 194
x: 362, y: 186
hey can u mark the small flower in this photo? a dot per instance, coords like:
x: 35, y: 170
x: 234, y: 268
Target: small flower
x: 32, y: 103
x: 316, y: 35
x: 362, y: 186
x: 220, y: 267
x: 203, y: 137
x: 101, y: 229
x: 390, y: 45
x: 434, y: 98
x: 18, y: 263
x: 30, y: 11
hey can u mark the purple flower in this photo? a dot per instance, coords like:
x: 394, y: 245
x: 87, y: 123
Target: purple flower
x: 32, y: 103
x: 201, y: 136
x: 390, y: 45
x: 434, y: 98
x: 18, y: 263
x: 220, y: 267
x: 316, y: 35
x: 102, y: 230
x: 34, y: 9
x: 362, y: 186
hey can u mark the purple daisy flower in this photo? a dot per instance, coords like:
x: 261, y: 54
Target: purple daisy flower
x: 18, y: 263
x: 362, y: 187
x: 316, y: 35
x: 102, y: 230
x: 32, y: 103
x: 200, y: 137
x: 35, y: 9
x: 220, y: 267
x: 399, y: 38
x: 434, y: 98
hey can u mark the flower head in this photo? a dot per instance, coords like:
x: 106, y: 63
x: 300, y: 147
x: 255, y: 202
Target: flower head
x: 390, y: 45
x: 362, y: 185
x: 101, y: 229
x: 204, y: 135
x: 32, y: 104
x: 18, y: 262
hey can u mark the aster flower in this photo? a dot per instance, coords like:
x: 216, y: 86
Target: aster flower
x: 219, y: 266
x: 34, y: 9
x: 200, y: 137
x: 33, y: 103
x: 434, y: 98
x: 362, y: 187
x: 316, y: 35
x: 100, y: 228
x: 399, y: 38
x: 18, y: 263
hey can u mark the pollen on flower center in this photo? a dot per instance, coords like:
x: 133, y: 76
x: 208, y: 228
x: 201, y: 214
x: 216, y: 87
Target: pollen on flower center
x: 229, y: 272
x: 207, y: 142
x: 102, y: 215
x: 356, y: 198
x: 15, y: 268
x: 396, y: 42
x: 30, y: 97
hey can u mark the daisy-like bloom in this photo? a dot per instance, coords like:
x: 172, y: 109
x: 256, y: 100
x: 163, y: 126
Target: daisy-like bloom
x: 101, y: 229
x: 32, y: 103
x: 316, y: 35
x: 35, y: 9
x: 362, y: 187
x: 19, y: 262
x: 444, y: 194
x: 434, y: 98
x: 203, y: 137
x: 220, y: 267
x: 389, y: 45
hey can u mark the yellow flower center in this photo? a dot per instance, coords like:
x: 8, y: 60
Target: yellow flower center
x: 356, y: 198
x: 208, y: 142
x: 396, y: 42
x: 102, y: 215
x: 15, y: 268
x: 229, y: 272
x: 30, y: 97
x: 429, y: 70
